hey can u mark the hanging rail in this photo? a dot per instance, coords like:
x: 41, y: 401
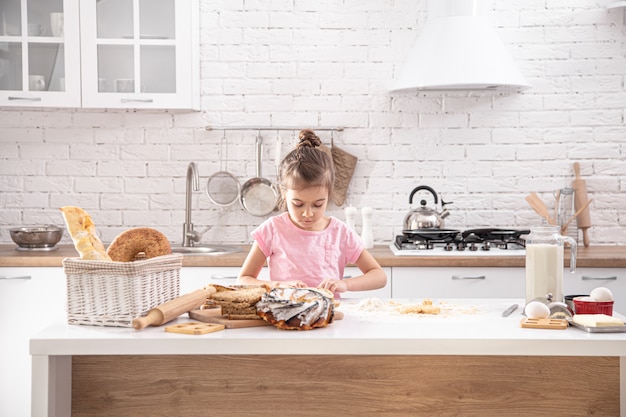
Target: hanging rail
x: 266, y: 128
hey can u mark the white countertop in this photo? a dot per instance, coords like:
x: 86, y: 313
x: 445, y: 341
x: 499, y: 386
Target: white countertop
x: 465, y: 327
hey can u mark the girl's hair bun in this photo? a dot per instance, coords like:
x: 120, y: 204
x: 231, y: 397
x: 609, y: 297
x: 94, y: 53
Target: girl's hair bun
x: 308, y: 138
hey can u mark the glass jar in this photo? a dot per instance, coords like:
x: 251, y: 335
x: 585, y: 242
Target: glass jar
x: 544, y: 262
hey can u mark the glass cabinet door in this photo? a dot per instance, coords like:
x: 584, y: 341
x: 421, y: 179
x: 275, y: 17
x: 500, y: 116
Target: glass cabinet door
x: 34, y: 58
x: 136, y: 53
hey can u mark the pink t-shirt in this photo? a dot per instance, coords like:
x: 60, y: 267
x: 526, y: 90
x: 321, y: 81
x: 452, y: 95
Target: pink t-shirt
x: 293, y: 253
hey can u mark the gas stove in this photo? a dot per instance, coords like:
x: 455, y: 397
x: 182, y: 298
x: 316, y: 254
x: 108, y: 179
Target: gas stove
x: 450, y: 242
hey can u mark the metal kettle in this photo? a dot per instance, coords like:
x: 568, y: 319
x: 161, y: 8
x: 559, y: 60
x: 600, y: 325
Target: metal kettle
x: 425, y: 217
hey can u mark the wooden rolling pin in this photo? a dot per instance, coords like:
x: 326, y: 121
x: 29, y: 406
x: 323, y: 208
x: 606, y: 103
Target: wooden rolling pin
x: 583, y: 221
x: 170, y: 310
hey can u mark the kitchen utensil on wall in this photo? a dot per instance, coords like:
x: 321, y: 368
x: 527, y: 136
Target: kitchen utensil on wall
x: 540, y: 207
x: 223, y: 188
x: 170, y: 310
x: 258, y: 195
x: 345, y: 163
x: 583, y: 221
x: 425, y: 217
x: 544, y: 262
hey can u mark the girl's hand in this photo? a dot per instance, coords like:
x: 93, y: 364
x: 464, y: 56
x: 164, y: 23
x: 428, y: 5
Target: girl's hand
x: 333, y: 285
x: 295, y: 283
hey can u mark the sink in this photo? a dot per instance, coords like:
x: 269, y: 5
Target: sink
x: 206, y: 250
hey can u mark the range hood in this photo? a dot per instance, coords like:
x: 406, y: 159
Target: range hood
x: 458, y: 49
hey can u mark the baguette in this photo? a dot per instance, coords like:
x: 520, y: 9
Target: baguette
x: 83, y: 233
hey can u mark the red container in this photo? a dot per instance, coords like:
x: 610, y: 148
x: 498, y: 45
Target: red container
x: 584, y: 305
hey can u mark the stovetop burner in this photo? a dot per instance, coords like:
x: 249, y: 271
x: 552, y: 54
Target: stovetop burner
x: 473, y: 241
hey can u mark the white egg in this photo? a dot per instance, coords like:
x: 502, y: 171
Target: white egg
x: 601, y: 294
x: 537, y: 310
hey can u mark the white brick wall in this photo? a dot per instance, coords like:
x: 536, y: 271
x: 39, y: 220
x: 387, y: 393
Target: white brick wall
x: 328, y: 63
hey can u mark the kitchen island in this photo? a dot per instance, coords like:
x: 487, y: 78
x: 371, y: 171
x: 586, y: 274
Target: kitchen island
x: 467, y: 361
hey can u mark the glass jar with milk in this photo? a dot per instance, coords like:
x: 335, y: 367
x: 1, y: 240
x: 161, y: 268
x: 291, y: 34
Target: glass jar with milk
x: 544, y: 262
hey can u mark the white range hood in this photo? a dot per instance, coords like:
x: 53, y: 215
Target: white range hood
x: 458, y: 49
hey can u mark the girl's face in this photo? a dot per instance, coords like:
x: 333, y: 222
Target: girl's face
x: 307, y: 207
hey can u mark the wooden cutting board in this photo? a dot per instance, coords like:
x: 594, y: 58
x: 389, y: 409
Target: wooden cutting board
x: 213, y: 316
x: 553, y: 324
x: 194, y: 328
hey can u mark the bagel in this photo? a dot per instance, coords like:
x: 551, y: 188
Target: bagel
x: 128, y: 244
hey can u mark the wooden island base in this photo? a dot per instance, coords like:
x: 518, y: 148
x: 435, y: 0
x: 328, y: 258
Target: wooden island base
x: 345, y: 385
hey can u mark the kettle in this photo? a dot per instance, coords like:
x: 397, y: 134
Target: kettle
x: 425, y: 217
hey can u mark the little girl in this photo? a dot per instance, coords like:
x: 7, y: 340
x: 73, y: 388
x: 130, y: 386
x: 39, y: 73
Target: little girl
x: 304, y: 247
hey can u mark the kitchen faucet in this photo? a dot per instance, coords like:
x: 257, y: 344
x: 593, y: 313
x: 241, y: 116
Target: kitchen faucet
x: 193, y: 180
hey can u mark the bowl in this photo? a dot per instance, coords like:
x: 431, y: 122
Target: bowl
x: 569, y: 300
x: 586, y: 305
x: 36, y: 237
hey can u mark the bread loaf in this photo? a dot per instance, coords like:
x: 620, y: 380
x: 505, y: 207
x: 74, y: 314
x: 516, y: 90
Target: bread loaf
x: 83, y: 233
x: 239, y: 302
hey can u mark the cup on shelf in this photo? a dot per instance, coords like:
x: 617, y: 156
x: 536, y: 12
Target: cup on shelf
x: 36, y: 82
x: 35, y: 29
x: 56, y: 24
x: 125, y: 85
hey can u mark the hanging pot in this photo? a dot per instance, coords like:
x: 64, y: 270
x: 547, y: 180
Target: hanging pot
x: 258, y: 195
x: 425, y: 217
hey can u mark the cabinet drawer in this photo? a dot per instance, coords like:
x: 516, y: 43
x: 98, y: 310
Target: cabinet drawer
x: 32, y: 298
x: 586, y: 279
x: 458, y: 282
x: 192, y: 278
x: 384, y: 292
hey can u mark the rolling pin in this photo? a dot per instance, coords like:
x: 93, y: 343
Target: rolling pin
x: 170, y: 310
x: 583, y: 221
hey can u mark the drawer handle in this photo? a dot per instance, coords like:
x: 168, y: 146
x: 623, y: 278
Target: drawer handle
x: 458, y: 277
x: 137, y: 100
x: 223, y: 277
x: 25, y: 98
x: 20, y: 277
x: 588, y: 278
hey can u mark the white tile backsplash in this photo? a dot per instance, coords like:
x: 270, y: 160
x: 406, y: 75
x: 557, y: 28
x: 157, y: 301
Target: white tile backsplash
x: 307, y: 64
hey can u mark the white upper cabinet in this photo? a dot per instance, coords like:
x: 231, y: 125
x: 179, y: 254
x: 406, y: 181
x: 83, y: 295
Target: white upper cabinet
x: 39, y: 53
x: 140, y: 54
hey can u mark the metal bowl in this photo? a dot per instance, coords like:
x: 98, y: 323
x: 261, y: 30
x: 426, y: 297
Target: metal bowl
x: 36, y: 237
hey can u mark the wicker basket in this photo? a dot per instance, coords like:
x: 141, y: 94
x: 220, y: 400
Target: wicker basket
x: 103, y: 293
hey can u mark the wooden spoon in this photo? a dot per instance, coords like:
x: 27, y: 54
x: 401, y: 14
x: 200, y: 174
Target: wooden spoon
x: 540, y: 207
x: 580, y: 210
